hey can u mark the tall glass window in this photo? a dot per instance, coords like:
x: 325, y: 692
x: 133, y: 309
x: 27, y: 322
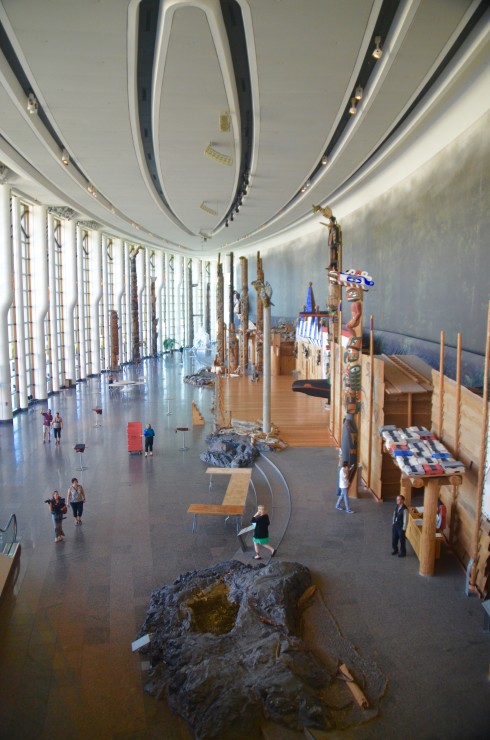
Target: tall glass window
x: 25, y: 245
x: 58, y: 320
x: 86, y: 299
x: 13, y: 361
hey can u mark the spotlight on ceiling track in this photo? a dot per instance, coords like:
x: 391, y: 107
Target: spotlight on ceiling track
x: 353, y: 109
x: 232, y: 217
x: 378, y: 51
x: 358, y: 93
x: 65, y: 157
x: 324, y: 161
x: 32, y: 104
x: 226, y: 223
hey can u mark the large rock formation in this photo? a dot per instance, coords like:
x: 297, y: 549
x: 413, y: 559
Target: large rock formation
x: 226, y: 652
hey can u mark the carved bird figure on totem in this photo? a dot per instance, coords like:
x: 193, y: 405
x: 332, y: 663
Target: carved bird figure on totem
x: 264, y: 291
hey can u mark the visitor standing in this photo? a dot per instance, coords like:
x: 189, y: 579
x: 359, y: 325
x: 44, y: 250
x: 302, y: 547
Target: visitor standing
x: 57, y: 507
x: 149, y: 435
x: 57, y: 426
x: 400, y: 521
x: 343, y: 496
x: 76, y: 499
x: 261, y: 533
x: 47, y: 420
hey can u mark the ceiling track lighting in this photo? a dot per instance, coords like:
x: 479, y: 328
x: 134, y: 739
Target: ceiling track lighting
x: 207, y: 209
x: 378, y: 51
x: 225, y: 122
x: 353, y: 109
x: 65, y: 157
x: 324, y: 160
x: 32, y: 105
x: 358, y: 93
x: 218, y: 156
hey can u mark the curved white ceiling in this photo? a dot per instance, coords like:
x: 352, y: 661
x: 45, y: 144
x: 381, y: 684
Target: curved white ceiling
x: 304, y: 59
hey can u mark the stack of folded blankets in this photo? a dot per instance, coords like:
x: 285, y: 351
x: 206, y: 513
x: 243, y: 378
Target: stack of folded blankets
x: 417, y: 452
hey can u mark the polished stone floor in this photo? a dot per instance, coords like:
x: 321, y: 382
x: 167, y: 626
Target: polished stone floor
x: 66, y: 627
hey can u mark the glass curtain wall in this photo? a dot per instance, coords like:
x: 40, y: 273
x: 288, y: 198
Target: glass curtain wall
x: 162, y: 307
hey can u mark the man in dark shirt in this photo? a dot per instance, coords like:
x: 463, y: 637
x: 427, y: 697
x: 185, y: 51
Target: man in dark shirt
x: 400, y: 521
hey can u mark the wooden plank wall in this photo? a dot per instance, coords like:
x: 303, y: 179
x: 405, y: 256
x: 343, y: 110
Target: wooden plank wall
x: 461, y: 502
x: 378, y: 420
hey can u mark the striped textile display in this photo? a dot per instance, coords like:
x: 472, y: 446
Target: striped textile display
x: 417, y: 452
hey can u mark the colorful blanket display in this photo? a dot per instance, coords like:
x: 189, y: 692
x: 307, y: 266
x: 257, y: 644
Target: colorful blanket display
x: 418, y: 452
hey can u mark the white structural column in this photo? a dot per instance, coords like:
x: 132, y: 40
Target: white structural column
x: 19, y: 305
x: 140, y: 275
x: 6, y: 298
x: 118, y: 257
x: 53, y: 316
x: 39, y: 259
x: 106, y: 311
x: 213, y: 277
x: 204, y: 303
x: 178, y: 288
x: 266, y: 401
x: 127, y: 263
x: 81, y: 306
x: 167, y: 332
x: 69, y: 251
x: 159, y: 270
x: 187, y: 299
x: 95, y: 296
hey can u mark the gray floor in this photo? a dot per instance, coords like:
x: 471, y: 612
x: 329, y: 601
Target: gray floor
x: 66, y: 668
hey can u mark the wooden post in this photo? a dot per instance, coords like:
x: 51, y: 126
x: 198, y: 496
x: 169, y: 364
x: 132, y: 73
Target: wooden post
x: 406, y: 489
x: 371, y: 397
x: 481, y: 470
x: 428, y: 536
x: 458, y: 397
x: 441, y: 387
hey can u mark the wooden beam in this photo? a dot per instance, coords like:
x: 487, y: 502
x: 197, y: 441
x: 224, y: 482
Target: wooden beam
x: 428, y: 538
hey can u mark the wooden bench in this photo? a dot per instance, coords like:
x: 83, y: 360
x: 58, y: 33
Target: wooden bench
x: 234, y: 499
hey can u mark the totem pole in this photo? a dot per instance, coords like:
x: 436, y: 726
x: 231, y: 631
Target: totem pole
x: 114, y: 323
x: 259, y: 339
x: 232, y: 338
x: 135, y: 322
x: 351, y: 369
x: 220, y: 340
x: 154, y: 320
x: 244, y: 317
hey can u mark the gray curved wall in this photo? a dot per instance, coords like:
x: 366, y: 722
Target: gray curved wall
x: 425, y: 242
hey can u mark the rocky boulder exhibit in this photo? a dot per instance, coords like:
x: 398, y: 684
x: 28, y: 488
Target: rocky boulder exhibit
x: 226, y: 654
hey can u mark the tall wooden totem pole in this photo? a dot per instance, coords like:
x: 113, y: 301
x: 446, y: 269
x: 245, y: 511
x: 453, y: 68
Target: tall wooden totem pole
x: 220, y: 339
x: 244, y: 317
x: 232, y: 337
x: 259, y: 347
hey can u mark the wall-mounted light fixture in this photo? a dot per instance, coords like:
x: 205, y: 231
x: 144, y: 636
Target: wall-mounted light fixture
x: 65, y: 157
x: 358, y: 93
x: 32, y: 105
x: 378, y: 51
x: 353, y: 109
